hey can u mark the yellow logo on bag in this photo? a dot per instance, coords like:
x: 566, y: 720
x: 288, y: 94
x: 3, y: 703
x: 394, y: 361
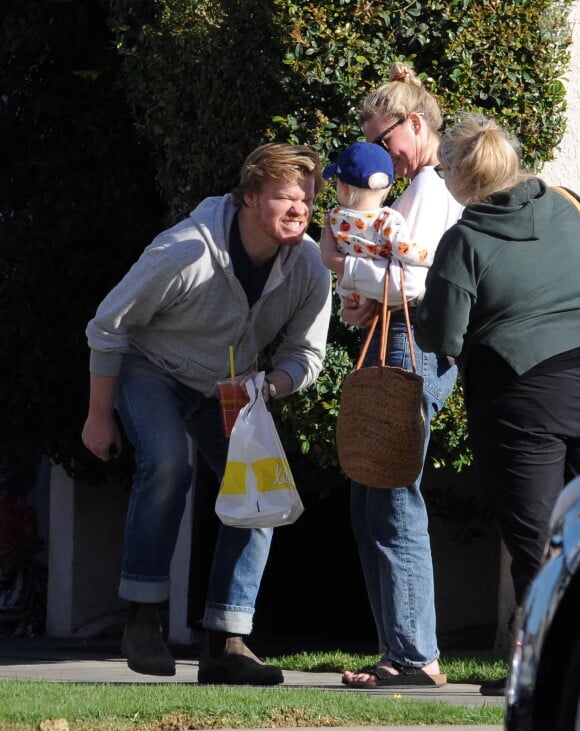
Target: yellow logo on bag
x: 234, y: 481
x: 273, y: 473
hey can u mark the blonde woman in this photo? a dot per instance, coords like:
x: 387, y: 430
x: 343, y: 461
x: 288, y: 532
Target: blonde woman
x: 391, y: 526
x: 502, y: 298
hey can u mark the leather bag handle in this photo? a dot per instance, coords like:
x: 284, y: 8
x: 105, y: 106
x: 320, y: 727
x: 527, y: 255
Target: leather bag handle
x: 385, y: 317
x: 566, y: 193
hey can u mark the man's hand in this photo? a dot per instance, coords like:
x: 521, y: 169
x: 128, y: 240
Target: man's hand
x: 100, y: 434
x: 102, y: 437
x: 281, y: 381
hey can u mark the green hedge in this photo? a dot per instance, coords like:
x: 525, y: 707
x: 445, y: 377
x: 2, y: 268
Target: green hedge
x: 123, y: 114
x: 77, y: 203
x: 209, y: 80
x: 304, y: 67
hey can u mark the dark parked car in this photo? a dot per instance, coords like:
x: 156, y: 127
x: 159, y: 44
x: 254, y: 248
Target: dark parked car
x: 543, y: 691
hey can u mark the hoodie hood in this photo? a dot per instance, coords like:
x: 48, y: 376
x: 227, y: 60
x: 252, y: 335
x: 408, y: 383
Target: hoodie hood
x: 506, y: 277
x: 519, y: 214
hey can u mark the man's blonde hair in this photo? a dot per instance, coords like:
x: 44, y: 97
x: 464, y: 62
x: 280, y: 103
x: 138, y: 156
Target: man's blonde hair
x: 484, y: 154
x: 403, y: 94
x: 278, y: 161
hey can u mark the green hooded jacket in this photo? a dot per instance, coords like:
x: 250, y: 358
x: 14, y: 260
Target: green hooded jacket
x: 507, y: 276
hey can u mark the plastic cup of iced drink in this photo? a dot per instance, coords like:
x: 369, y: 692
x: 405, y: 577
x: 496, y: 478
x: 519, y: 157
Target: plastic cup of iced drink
x: 232, y: 396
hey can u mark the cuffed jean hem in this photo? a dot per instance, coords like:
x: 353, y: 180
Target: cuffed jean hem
x: 388, y: 657
x: 147, y: 592
x: 225, y: 618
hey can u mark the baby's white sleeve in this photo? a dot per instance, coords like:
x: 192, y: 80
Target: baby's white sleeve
x: 367, y: 277
x: 403, y: 246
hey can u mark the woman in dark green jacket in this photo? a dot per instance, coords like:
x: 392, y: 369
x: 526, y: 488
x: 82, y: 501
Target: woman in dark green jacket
x: 503, y: 298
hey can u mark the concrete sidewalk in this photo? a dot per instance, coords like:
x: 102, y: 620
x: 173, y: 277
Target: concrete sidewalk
x: 32, y: 660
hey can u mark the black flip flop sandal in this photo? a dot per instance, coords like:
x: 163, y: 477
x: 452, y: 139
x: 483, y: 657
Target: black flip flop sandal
x: 408, y: 677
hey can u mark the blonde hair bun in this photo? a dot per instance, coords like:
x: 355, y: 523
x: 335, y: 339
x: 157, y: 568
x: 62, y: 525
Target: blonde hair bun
x: 404, y: 72
x: 400, y: 97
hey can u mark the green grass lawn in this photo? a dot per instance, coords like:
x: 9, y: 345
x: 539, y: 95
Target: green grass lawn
x: 30, y: 706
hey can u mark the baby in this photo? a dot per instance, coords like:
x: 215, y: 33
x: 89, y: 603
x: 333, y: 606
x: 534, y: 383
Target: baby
x: 361, y: 225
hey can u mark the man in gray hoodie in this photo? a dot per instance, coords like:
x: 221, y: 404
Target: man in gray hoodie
x: 239, y: 271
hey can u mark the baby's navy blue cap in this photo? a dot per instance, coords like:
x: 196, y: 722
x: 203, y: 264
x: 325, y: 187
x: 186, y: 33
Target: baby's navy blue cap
x: 359, y: 164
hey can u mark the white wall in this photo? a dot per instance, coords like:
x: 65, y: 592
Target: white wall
x: 565, y: 169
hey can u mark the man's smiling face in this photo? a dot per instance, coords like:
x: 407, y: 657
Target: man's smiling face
x: 283, y: 210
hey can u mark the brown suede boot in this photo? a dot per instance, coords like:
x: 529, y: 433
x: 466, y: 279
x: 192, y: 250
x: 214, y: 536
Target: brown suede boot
x: 227, y: 660
x: 143, y: 644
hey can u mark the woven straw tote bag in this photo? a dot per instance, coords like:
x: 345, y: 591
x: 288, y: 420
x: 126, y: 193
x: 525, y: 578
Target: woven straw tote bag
x: 380, y: 431
x: 568, y: 194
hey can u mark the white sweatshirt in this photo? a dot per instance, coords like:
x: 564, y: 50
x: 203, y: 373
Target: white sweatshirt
x: 429, y: 210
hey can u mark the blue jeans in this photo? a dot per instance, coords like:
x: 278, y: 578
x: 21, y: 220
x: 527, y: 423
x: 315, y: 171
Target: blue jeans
x: 158, y: 412
x: 391, y: 526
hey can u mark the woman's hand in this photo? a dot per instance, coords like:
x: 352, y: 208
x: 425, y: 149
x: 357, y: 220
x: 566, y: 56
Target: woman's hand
x: 332, y: 258
x: 359, y: 315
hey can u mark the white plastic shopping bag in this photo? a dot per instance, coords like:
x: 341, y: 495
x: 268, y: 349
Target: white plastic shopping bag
x: 257, y: 490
